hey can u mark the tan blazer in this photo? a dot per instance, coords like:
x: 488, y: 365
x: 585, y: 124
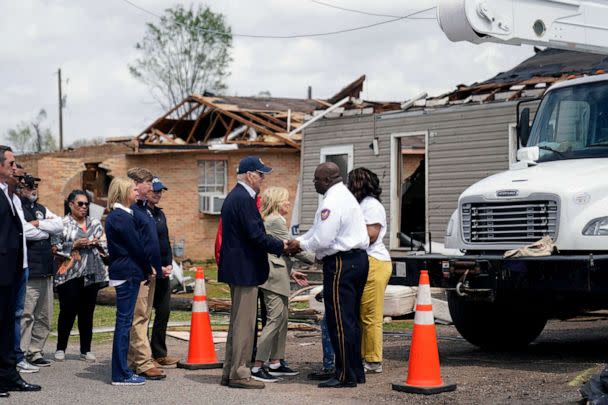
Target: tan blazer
x: 280, y: 267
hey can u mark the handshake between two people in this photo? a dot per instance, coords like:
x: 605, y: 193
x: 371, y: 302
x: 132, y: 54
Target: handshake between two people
x: 291, y: 247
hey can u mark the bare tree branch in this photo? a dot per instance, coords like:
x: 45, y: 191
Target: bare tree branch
x: 179, y: 57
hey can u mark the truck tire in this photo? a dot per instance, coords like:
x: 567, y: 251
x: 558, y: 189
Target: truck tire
x: 495, y: 325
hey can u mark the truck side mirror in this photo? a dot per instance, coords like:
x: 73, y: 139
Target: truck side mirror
x: 523, y: 126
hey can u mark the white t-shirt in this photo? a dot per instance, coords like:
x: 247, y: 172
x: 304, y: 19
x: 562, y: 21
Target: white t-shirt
x: 374, y: 213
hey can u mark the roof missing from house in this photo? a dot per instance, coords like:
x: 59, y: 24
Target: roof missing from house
x: 225, y: 123
x: 528, y: 80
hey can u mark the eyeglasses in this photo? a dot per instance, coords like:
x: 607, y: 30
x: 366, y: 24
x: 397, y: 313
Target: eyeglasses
x: 82, y: 204
x: 261, y: 174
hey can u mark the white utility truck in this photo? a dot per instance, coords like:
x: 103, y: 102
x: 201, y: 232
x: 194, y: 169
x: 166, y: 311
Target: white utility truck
x: 558, y: 187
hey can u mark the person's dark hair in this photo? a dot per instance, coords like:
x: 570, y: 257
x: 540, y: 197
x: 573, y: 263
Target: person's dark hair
x: 71, y: 197
x: 363, y: 183
x: 3, y: 149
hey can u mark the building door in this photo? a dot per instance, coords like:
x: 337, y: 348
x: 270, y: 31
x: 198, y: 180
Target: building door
x: 409, y: 184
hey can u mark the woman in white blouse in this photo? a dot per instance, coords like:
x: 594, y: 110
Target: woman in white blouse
x: 365, y: 186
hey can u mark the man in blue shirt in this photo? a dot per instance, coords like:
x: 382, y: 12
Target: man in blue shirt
x: 243, y: 265
x: 140, y: 352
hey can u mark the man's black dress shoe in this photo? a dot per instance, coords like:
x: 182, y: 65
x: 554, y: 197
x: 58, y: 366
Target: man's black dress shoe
x: 335, y: 383
x: 23, y: 386
x: 4, y: 394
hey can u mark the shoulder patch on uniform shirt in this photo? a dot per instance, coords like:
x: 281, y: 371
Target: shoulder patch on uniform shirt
x: 325, y: 214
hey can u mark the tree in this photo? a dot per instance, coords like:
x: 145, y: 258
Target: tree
x: 188, y: 52
x: 32, y: 137
x: 87, y: 142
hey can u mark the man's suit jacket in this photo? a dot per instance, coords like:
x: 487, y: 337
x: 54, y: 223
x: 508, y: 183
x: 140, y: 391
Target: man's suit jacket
x: 280, y: 266
x: 245, y: 243
x: 11, y: 243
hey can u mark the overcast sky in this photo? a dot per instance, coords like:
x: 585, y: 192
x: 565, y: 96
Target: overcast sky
x: 93, y: 43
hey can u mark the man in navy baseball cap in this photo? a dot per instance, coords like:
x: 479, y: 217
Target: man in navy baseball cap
x: 252, y: 164
x: 157, y: 185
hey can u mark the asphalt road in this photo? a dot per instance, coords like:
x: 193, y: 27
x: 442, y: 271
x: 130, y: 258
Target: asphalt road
x: 548, y: 372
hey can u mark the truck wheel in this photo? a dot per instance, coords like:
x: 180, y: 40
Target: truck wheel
x: 495, y: 325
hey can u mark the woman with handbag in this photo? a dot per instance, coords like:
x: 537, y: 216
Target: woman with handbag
x: 80, y: 276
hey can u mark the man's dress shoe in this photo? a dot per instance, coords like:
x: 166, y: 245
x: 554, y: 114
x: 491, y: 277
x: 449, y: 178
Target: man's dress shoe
x: 335, y: 383
x: 4, y: 394
x: 22, y: 386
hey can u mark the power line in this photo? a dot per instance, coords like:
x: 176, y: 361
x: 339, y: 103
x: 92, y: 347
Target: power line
x: 367, y: 13
x: 292, y: 36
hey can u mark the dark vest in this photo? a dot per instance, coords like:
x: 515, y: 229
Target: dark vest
x: 39, y: 255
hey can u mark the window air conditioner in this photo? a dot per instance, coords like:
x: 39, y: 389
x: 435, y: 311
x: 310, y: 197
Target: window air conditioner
x: 211, y: 203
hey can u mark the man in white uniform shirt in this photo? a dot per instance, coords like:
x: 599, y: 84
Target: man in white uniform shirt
x: 339, y: 238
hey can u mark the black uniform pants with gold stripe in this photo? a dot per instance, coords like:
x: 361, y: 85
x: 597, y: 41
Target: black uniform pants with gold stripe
x: 344, y: 277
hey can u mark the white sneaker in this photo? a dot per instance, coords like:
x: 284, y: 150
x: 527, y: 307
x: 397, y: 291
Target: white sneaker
x: 24, y: 367
x: 59, y: 355
x: 372, y: 367
x: 88, y: 356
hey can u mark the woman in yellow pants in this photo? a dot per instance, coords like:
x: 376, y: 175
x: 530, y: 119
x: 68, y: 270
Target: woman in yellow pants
x: 365, y: 186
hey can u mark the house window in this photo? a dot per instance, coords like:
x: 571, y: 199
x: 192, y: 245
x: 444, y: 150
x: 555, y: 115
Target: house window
x: 212, y: 176
x: 212, y: 181
x: 341, y: 155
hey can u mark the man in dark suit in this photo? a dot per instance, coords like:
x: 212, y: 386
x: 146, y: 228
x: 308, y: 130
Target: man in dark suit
x: 243, y: 265
x: 11, y: 257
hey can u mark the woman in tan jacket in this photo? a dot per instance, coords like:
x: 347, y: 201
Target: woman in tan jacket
x: 271, y: 346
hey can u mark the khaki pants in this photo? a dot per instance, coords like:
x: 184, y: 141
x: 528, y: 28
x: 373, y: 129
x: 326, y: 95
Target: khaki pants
x: 372, y: 309
x: 140, y: 354
x: 271, y: 345
x: 37, y: 316
x: 239, y: 344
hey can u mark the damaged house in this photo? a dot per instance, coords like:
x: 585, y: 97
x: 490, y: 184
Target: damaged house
x: 194, y: 148
x: 430, y: 149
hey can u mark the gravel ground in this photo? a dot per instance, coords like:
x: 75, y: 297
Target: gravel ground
x: 548, y: 372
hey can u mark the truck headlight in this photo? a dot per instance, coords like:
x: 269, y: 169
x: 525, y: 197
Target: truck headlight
x: 596, y: 227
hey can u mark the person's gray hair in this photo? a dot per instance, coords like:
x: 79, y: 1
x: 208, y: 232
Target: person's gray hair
x: 241, y: 176
x: 3, y: 149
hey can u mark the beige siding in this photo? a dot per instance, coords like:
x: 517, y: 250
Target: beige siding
x: 466, y: 144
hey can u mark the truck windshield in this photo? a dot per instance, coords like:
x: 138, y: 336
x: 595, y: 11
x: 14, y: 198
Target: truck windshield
x: 572, y: 123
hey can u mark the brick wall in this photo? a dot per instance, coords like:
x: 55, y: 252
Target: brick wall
x: 179, y: 172
x: 62, y: 172
x: 410, y: 164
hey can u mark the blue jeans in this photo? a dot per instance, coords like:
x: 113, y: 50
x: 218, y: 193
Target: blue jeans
x: 19, y: 313
x: 126, y: 296
x: 328, y: 350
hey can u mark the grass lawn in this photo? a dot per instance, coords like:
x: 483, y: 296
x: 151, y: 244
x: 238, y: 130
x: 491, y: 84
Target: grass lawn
x: 212, y: 286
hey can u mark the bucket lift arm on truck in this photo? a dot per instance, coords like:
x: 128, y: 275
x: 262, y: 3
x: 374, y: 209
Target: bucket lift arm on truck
x: 565, y: 24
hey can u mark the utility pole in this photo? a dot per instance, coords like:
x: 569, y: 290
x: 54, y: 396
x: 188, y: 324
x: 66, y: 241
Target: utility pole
x: 60, y: 111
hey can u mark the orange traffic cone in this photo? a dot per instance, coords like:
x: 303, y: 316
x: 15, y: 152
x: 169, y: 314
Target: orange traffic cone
x: 424, y: 375
x: 201, y: 351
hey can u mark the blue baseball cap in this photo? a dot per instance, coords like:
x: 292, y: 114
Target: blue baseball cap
x: 157, y: 185
x: 252, y: 164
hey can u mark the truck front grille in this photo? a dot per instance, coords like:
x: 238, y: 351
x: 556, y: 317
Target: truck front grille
x: 509, y: 221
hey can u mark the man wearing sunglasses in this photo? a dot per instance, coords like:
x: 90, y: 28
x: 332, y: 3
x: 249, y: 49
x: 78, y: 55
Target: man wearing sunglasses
x: 140, y: 353
x: 243, y: 265
x: 162, y: 291
x: 12, y: 259
x: 37, y: 316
